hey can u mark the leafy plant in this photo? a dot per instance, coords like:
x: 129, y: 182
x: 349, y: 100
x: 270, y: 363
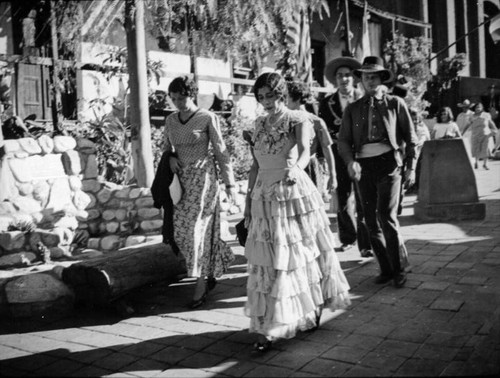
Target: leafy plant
x: 111, y: 137
x: 448, y: 69
x: 409, y: 57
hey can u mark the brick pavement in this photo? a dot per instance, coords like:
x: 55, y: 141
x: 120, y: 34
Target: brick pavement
x: 444, y: 322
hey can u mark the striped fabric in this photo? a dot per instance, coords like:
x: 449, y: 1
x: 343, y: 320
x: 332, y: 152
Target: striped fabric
x: 299, y: 41
x: 98, y: 15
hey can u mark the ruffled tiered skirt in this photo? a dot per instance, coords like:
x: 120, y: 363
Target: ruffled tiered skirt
x: 292, y: 266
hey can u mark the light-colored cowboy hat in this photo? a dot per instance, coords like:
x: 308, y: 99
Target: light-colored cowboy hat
x: 333, y: 65
x: 374, y: 64
x: 465, y: 104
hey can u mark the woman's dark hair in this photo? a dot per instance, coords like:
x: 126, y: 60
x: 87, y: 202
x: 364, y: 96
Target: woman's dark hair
x: 447, y: 110
x: 184, y: 85
x: 299, y: 91
x: 273, y: 81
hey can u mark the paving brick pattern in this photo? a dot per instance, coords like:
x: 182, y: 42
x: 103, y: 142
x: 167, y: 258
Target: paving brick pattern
x: 444, y: 322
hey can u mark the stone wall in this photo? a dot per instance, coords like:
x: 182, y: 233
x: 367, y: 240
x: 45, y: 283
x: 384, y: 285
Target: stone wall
x: 52, y: 185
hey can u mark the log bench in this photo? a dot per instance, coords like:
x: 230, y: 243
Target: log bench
x: 105, y: 279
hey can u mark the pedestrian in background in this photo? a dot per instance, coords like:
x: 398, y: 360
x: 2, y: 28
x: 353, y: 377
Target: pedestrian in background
x: 293, y: 270
x: 298, y: 95
x: 482, y: 128
x: 351, y: 227
x: 423, y: 135
x: 189, y: 133
x: 463, y: 120
x: 374, y: 130
x: 445, y: 128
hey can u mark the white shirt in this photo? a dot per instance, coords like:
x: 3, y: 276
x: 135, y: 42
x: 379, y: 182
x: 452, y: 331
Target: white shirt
x: 346, y: 99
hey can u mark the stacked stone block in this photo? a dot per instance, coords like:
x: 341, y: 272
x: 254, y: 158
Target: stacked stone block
x: 54, y: 184
x: 40, y: 184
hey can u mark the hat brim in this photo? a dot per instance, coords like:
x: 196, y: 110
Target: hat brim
x: 386, y: 75
x: 462, y: 105
x: 331, y: 68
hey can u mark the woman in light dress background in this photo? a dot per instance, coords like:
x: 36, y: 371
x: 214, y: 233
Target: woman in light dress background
x: 445, y: 128
x: 482, y: 129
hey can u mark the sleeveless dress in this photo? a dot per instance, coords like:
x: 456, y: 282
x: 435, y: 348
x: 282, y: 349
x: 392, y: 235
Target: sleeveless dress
x: 292, y: 266
x: 197, y: 215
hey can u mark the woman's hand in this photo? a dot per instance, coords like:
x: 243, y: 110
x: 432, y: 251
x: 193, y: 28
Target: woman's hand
x: 292, y: 175
x: 175, y: 164
x: 332, y: 182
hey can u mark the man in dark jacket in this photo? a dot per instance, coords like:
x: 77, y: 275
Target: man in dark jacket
x: 374, y: 131
x: 350, y: 227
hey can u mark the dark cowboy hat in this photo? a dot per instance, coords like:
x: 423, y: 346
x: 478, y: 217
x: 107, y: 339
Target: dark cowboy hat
x: 333, y: 65
x: 374, y: 64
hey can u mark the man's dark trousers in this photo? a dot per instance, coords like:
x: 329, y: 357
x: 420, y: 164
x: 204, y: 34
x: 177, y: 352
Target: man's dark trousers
x: 351, y: 227
x: 380, y: 185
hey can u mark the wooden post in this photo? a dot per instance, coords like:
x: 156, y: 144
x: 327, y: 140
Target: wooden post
x: 56, y: 91
x: 191, y: 44
x: 348, y: 28
x: 142, y: 153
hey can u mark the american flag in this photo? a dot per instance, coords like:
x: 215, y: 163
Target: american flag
x: 299, y: 41
x: 365, y: 42
x: 99, y: 15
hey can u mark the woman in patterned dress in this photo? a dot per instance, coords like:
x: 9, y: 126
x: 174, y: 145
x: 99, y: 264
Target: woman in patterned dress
x: 482, y: 128
x: 293, y: 270
x: 188, y: 136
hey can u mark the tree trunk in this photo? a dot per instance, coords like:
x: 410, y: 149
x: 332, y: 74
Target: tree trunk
x: 191, y: 45
x: 107, y: 278
x: 142, y: 153
x: 56, y: 90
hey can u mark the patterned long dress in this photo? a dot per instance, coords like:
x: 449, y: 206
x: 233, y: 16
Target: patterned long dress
x: 292, y: 266
x: 197, y: 214
x: 481, y: 128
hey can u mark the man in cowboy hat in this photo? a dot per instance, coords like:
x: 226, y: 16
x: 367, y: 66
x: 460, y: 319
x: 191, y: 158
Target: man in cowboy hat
x: 374, y: 131
x: 350, y: 227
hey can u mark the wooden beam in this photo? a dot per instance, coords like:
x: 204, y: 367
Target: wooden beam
x: 392, y: 16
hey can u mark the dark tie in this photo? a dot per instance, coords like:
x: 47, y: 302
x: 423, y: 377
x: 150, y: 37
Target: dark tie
x: 370, y: 116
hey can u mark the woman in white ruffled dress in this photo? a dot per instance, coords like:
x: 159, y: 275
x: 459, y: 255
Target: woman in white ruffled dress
x: 293, y: 271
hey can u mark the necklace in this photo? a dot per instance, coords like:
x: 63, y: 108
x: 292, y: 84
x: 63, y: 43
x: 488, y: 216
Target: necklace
x: 277, y: 117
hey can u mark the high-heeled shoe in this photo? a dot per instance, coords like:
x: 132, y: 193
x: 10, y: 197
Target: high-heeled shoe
x: 262, y: 347
x: 211, y: 282
x: 317, y: 314
x: 195, y: 303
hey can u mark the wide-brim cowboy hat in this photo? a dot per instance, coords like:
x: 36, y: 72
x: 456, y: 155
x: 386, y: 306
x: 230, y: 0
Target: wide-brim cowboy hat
x: 465, y: 104
x: 333, y: 65
x: 374, y: 64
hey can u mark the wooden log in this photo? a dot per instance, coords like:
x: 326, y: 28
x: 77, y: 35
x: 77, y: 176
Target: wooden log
x: 113, y: 275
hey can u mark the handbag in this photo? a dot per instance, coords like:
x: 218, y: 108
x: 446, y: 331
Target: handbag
x: 241, y: 232
x: 175, y: 189
x: 334, y: 201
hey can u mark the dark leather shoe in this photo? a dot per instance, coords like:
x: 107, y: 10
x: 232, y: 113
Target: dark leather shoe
x: 382, y: 279
x: 400, y: 280
x: 365, y: 253
x: 262, y: 347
